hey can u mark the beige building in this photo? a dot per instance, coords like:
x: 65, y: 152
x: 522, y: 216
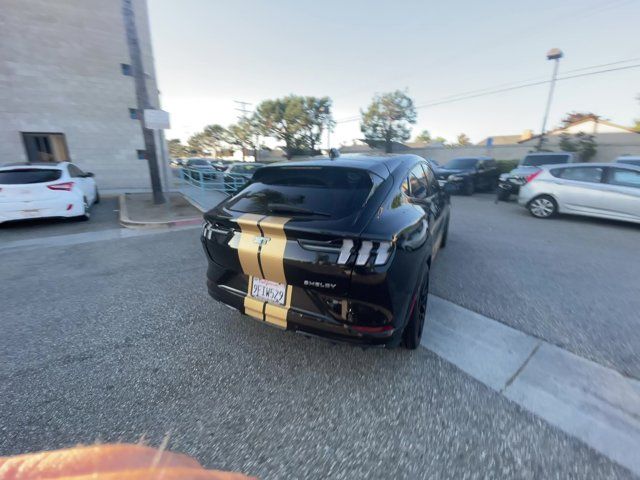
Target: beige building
x: 66, y: 90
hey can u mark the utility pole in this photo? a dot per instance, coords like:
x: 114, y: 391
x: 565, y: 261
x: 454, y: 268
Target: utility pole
x: 554, y: 54
x: 142, y: 97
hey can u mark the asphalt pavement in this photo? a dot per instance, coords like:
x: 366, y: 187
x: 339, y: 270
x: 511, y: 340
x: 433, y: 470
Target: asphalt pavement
x: 572, y: 281
x: 117, y: 340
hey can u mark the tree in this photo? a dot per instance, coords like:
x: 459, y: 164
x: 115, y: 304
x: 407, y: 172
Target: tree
x: 214, y: 137
x: 388, y: 118
x: 573, y: 117
x: 197, y: 144
x: 177, y: 149
x: 462, y: 140
x: 297, y: 121
x: 244, y: 134
x: 582, y: 143
x: 423, y: 136
x: 441, y: 140
x: 317, y: 117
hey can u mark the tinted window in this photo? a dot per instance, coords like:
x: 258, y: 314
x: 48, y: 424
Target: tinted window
x: 462, y: 163
x: 582, y: 174
x: 629, y: 161
x: 75, y: 171
x: 291, y: 191
x: 197, y: 163
x: 28, y: 175
x: 537, y: 160
x: 418, y: 183
x: 624, y: 178
x: 432, y: 183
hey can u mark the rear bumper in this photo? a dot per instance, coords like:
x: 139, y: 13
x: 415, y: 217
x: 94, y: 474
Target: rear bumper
x: 309, y: 323
x: 71, y: 207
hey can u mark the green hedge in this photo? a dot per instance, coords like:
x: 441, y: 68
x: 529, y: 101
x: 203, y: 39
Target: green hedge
x: 506, y: 166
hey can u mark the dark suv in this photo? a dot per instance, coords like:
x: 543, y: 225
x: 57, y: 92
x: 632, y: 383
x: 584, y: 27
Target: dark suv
x: 469, y: 174
x: 338, y: 248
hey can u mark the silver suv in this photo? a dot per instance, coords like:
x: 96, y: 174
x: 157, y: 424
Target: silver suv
x: 605, y: 190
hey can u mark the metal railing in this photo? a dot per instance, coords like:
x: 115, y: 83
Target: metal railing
x: 206, y: 179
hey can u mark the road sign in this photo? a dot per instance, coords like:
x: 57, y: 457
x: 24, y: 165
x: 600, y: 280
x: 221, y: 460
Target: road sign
x: 156, y: 119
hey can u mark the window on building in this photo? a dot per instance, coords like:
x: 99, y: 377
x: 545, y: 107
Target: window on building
x: 126, y: 69
x: 142, y: 154
x: 45, y: 147
x: 133, y: 114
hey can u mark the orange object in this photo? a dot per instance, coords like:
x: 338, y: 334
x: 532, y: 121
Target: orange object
x: 109, y: 462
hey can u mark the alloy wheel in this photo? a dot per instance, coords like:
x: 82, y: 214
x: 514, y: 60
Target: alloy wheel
x: 542, y: 207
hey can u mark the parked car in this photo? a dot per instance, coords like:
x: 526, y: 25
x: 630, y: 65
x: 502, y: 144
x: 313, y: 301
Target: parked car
x: 469, y: 174
x: 239, y: 174
x: 605, y: 190
x: 198, y: 164
x: 629, y: 159
x: 510, y: 183
x: 336, y: 248
x: 42, y: 190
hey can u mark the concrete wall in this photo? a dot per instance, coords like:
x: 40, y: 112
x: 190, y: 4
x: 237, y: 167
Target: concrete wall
x: 60, y: 72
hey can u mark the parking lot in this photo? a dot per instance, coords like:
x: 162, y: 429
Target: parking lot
x: 118, y: 340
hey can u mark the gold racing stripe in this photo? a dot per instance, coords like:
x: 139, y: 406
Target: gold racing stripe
x: 252, y: 306
x: 276, y: 314
x: 247, y: 246
x: 272, y: 253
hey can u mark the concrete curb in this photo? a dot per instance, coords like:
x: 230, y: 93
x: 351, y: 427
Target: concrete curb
x: 593, y: 403
x: 126, y: 222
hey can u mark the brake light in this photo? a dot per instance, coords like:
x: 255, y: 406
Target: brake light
x: 66, y: 186
x: 358, y: 252
x: 532, y: 176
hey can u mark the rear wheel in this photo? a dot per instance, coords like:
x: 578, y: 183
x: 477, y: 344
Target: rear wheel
x: 543, y: 206
x: 469, y: 188
x: 413, y: 331
x: 97, y: 200
x: 445, y: 235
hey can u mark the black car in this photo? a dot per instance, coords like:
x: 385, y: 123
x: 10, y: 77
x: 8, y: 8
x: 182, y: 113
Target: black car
x: 338, y: 248
x: 469, y: 174
x: 510, y: 183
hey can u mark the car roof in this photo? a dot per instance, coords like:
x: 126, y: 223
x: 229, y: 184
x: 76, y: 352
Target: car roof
x: 381, y: 164
x: 627, y: 157
x: 41, y: 165
x: 545, y: 154
x: 591, y: 164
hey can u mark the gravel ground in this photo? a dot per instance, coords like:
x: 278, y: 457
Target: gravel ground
x: 118, y: 340
x: 573, y: 281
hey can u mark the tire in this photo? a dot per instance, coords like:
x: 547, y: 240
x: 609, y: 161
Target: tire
x: 504, y: 195
x: 543, y: 206
x: 87, y: 213
x: 97, y: 200
x: 445, y: 236
x: 469, y: 188
x: 412, y: 333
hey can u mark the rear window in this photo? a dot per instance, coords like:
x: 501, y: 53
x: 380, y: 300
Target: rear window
x: 629, y: 161
x: 332, y: 192
x: 462, y: 163
x: 537, y: 160
x: 23, y: 176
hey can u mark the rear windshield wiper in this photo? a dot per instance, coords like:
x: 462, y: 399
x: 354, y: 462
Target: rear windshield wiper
x: 284, y: 208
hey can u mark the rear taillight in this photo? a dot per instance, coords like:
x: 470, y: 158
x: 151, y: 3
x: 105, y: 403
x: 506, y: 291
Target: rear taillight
x: 532, y: 176
x: 209, y: 229
x: 360, y: 252
x: 66, y: 186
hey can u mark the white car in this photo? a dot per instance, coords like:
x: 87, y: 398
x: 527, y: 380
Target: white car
x: 605, y: 190
x: 42, y: 190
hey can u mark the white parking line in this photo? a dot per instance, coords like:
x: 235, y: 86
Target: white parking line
x: 593, y: 403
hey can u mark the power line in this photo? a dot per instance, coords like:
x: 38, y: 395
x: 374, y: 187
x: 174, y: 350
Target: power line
x: 460, y: 97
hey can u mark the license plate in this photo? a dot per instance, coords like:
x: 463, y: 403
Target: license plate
x: 269, y: 291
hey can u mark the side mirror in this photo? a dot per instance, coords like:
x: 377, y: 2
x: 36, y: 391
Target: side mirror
x: 89, y: 174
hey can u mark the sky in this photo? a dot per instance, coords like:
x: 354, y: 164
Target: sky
x: 209, y: 53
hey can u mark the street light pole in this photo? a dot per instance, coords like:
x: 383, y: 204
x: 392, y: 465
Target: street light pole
x: 554, y: 54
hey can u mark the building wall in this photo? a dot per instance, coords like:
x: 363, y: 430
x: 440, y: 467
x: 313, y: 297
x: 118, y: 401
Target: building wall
x: 60, y: 72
